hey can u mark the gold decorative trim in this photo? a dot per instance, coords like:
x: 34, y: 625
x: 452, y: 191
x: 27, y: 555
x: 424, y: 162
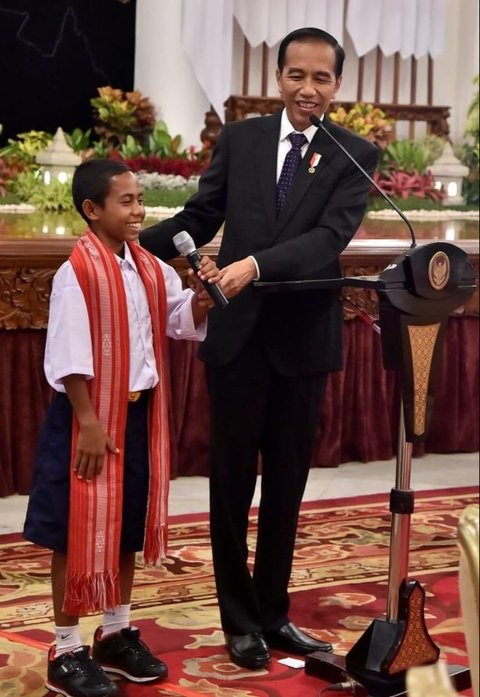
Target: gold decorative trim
x: 415, y: 649
x: 422, y: 343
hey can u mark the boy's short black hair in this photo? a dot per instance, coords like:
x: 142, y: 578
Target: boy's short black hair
x: 312, y: 34
x: 93, y: 179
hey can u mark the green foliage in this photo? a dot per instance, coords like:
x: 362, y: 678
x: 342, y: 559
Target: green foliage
x: 113, y: 114
x: 471, y: 185
x: 79, y: 140
x: 25, y: 184
x: 29, y: 187
x: 26, y: 146
x: 162, y: 144
x: 56, y: 196
x: 470, y: 154
x: 100, y: 149
x: 473, y: 118
x: 413, y: 203
x: 432, y: 145
x: 118, y: 114
x: 366, y: 120
x: 10, y: 200
x: 126, y: 123
x: 130, y: 148
x: 171, y: 198
x: 411, y: 155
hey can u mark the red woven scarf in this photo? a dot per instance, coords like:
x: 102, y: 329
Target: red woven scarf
x: 95, y: 516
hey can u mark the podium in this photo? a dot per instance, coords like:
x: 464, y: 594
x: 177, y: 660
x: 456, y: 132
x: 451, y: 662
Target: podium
x: 416, y: 293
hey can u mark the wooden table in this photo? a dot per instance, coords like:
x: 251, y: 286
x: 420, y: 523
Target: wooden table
x: 359, y: 418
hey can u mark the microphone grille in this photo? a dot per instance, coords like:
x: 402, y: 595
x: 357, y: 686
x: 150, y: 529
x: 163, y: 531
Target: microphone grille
x: 183, y: 243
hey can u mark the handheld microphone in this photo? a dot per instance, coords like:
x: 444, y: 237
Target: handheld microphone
x: 186, y: 247
x: 317, y: 122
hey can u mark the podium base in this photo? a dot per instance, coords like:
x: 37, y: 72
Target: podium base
x: 331, y: 668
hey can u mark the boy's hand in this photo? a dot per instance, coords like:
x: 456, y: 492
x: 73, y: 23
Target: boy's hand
x: 92, y: 446
x: 208, y: 272
x: 93, y: 443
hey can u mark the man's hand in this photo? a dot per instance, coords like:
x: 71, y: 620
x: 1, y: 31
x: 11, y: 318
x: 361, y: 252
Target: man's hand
x: 236, y: 276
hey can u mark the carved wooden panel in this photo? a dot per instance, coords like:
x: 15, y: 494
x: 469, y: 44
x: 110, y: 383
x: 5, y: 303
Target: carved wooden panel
x: 26, y: 272
x: 238, y: 107
x: 360, y: 299
x: 24, y: 297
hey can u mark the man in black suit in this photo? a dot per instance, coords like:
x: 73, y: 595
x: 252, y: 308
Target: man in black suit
x: 267, y: 355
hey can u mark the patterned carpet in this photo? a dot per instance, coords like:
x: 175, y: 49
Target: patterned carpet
x: 339, y: 585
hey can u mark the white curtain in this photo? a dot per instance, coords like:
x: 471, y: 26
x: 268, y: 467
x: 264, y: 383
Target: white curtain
x: 412, y: 27
x: 363, y: 24
x: 207, y: 35
x: 271, y: 20
x: 389, y: 28
x: 253, y: 18
x: 438, y: 28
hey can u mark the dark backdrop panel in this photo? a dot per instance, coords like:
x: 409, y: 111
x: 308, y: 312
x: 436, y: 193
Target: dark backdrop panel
x: 53, y: 56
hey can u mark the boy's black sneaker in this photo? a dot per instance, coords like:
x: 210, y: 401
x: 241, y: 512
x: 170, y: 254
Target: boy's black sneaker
x: 75, y: 674
x: 126, y: 654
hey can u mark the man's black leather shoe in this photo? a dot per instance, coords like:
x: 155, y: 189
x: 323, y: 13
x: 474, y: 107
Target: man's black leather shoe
x: 289, y: 638
x: 248, y: 650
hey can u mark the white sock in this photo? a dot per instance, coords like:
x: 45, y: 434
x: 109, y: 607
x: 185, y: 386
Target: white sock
x: 115, y: 619
x: 67, y: 639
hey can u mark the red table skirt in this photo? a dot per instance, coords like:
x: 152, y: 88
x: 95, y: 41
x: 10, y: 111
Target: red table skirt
x: 359, y: 419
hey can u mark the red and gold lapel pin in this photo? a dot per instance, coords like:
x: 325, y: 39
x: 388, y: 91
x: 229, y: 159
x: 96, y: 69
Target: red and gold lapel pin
x: 314, y: 160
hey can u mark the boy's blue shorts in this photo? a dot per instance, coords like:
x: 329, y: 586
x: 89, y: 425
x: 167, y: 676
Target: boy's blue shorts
x: 46, y: 522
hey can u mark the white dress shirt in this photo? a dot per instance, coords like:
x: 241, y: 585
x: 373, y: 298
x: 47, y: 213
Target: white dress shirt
x: 68, y: 347
x: 284, y: 146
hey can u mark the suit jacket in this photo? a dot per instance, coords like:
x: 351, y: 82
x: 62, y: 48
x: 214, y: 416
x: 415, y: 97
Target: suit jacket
x: 302, y: 330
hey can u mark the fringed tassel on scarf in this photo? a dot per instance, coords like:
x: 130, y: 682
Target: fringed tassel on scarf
x: 85, y: 593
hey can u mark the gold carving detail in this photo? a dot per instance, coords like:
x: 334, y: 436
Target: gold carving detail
x: 422, y: 343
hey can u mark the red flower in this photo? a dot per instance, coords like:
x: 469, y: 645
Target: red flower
x: 405, y: 184
x: 166, y: 165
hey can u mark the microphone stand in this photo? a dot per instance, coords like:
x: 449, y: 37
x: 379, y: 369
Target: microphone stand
x: 414, y: 308
x: 315, y: 121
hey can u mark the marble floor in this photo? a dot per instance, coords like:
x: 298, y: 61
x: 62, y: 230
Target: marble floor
x: 190, y: 494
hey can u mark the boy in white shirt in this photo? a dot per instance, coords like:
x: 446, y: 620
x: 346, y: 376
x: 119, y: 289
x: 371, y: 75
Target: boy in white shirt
x: 102, y: 470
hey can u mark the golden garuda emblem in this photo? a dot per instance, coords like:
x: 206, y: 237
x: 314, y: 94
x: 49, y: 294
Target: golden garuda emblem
x: 439, y: 270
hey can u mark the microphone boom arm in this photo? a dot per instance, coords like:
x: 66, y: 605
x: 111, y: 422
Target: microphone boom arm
x: 317, y: 122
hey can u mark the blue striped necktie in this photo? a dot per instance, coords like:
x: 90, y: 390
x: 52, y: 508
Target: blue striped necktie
x: 290, y: 166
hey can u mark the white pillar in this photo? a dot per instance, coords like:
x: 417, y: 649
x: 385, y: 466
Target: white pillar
x: 163, y: 71
x: 456, y: 66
